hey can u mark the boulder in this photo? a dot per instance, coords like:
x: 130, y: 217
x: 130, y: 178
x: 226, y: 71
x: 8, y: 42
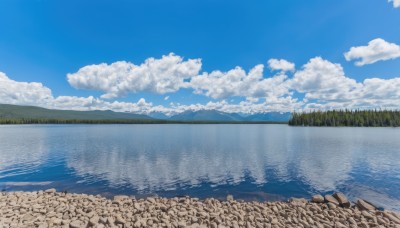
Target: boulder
x: 342, y: 199
x: 364, y: 205
x: 317, y: 199
x: 331, y: 199
x: 229, y: 198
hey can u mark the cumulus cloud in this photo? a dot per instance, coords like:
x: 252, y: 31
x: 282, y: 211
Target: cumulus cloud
x: 118, y: 79
x: 26, y: 93
x: 322, y: 80
x: 221, y: 85
x: 325, y: 86
x: 280, y: 64
x: 376, y: 50
x: 396, y: 3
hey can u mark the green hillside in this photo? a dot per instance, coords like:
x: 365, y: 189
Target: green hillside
x: 31, y: 114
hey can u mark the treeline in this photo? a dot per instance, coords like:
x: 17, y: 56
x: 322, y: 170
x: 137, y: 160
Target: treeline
x: 122, y: 121
x: 356, y: 118
x: 75, y: 121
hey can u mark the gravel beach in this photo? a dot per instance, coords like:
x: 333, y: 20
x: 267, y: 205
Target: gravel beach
x: 50, y: 208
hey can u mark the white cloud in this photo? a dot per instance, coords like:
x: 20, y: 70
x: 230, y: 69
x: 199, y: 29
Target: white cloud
x: 322, y: 80
x: 221, y: 85
x: 118, y: 79
x: 26, y: 93
x: 166, y: 98
x: 377, y: 50
x: 325, y: 86
x: 280, y: 64
x: 396, y: 3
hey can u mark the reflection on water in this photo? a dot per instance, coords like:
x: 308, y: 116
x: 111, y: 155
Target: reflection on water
x: 254, y: 161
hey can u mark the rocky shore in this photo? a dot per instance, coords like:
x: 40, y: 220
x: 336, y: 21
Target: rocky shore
x: 57, y: 209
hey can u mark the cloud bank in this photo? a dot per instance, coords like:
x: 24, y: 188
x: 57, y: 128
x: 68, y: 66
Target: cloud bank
x: 318, y: 84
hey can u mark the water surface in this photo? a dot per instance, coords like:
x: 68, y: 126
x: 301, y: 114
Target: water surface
x: 251, y: 162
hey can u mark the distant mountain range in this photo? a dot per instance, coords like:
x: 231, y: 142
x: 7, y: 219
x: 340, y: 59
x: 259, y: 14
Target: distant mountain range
x: 213, y: 115
x: 31, y: 112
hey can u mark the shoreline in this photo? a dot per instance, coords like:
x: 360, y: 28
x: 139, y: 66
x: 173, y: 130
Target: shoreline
x: 50, y: 208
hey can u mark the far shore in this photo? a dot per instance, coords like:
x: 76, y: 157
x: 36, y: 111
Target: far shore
x: 50, y: 208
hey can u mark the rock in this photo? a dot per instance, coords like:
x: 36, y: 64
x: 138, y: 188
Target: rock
x: 229, y: 198
x: 103, y: 220
x: 110, y: 221
x: 120, y: 197
x: 119, y: 220
x: 367, y: 215
x: 331, y: 205
x: 76, y: 224
x: 94, y: 220
x: 339, y: 225
x: 364, y: 205
x: 331, y: 199
x: 391, y: 217
x: 51, y: 190
x: 317, y: 199
x: 151, y: 200
x: 298, y: 201
x: 342, y: 199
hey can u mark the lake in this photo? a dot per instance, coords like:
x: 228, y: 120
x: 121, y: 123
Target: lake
x: 251, y: 162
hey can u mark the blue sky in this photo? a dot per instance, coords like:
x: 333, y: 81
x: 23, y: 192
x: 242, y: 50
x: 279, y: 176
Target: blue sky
x: 61, y: 45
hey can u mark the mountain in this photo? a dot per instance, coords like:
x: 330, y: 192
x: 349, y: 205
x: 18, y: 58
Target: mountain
x: 206, y: 115
x: 31, y: 112
x: 158, y: 115
x: 213, y: 115
x: 270, y: 116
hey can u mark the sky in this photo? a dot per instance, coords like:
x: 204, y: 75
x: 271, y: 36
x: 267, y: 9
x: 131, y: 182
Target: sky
x: 171, y: 56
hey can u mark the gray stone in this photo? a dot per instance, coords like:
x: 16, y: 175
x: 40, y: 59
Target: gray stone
x: 342, y: 199
x: 317, y: 199
x: 51, y: 190
x: 331, y: 199
x: 76, y: 224
x: 331, y: 205
x: 364, y: 205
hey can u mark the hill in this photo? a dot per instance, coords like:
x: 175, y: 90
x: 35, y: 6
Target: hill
x: 30, y: 113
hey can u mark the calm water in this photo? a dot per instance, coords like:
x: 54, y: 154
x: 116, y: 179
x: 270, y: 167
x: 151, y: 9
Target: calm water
x: 251, y: 162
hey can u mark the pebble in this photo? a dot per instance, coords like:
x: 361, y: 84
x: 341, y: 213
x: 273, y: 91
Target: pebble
x: 50, y: 208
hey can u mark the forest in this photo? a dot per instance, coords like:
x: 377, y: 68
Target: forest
x: 122, y: 121
x: 354, y: 118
